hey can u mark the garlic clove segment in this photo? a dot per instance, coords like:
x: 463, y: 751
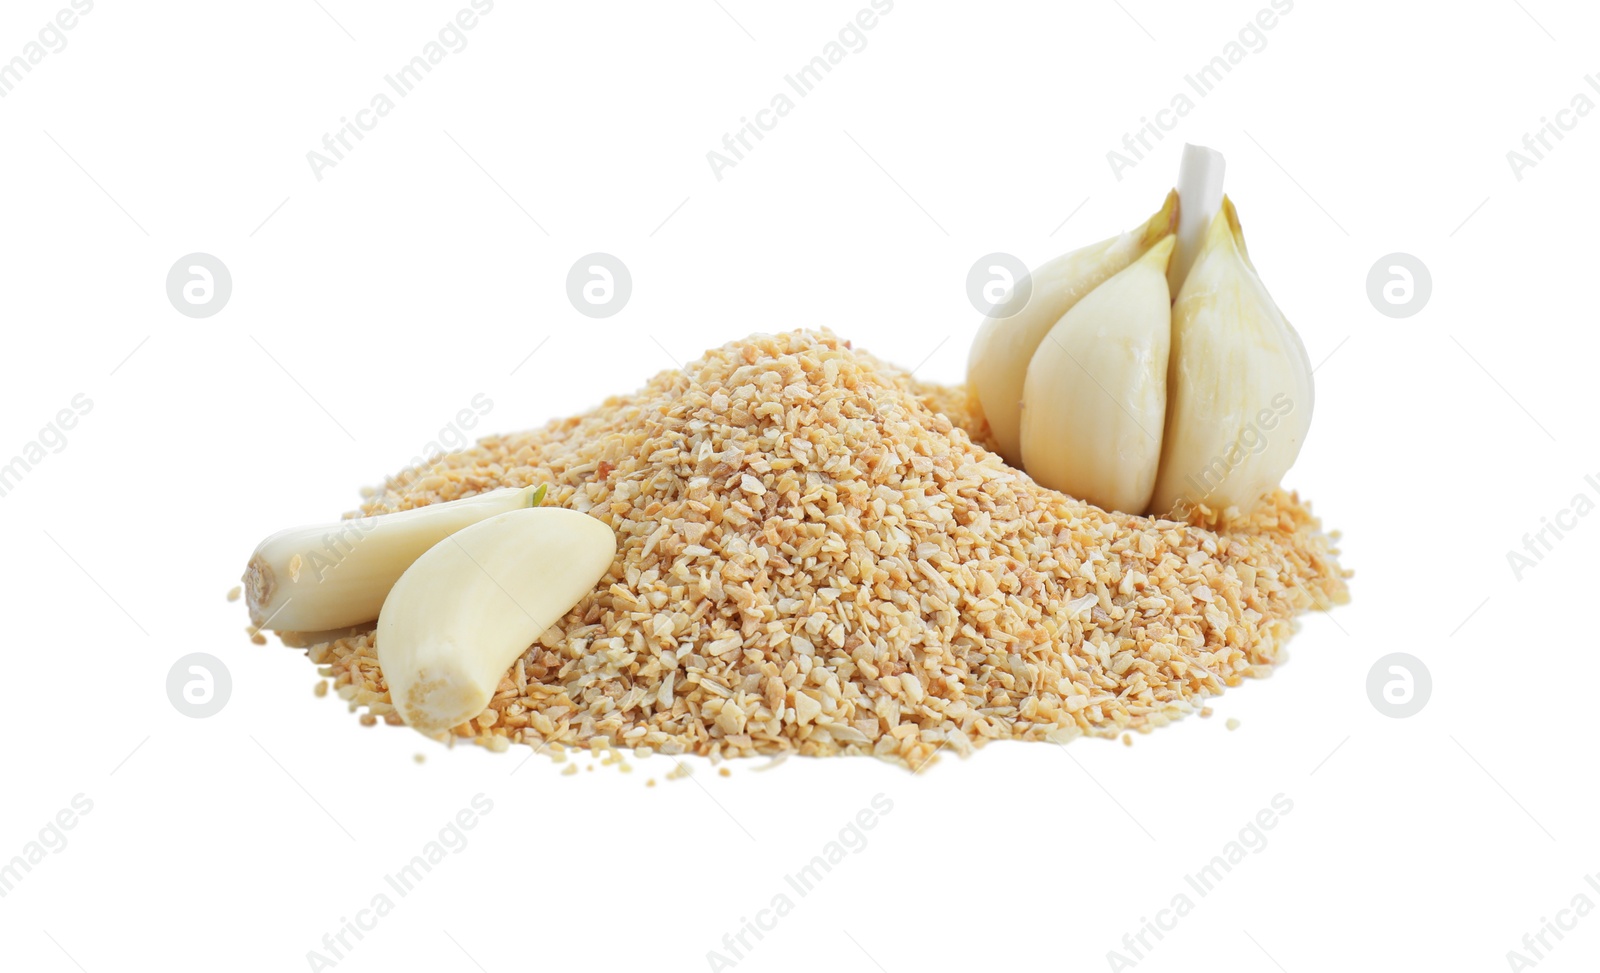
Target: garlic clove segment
x: 332, y: 576
x: 1095, y: 397
x: 460, y: 616
x: 998, y: 362
x: 1239, y: 387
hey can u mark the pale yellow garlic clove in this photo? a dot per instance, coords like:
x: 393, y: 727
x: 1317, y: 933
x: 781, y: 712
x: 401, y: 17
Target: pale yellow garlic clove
x: 1095, y: 396
x: 1239, y: 386
x: 331, y: 576
x: 460, y: 616
x: 998, y: 363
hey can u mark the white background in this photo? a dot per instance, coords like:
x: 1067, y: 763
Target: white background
x: 375, y: 303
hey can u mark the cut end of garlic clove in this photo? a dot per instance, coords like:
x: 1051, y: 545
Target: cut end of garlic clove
x: 463, y: 612
x: 259, y: 588
x: 441, y: 698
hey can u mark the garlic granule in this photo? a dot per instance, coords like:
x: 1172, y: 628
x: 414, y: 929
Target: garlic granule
x: 818, y: 555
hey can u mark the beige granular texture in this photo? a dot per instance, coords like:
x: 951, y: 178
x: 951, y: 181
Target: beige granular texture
x: 813, y: 560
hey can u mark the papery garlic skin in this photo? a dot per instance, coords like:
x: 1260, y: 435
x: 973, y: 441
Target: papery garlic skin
x: 998, y: 363
x: 1239, y: 386
x: 1095, y: 397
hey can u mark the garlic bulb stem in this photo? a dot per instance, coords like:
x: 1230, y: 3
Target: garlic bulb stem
x: 1199, y: 197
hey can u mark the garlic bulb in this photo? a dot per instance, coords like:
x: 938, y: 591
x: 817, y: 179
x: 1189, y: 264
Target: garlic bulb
x: 1095, y: 397
x: 1103, y: 388
x: 998, y: 362
x: 1239, y: 388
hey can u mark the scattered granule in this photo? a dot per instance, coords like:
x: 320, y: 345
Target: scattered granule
x: 650, y: 782
x: 233, y: 593
x: 1127, y: 739
x: 682, y: 770
x: 817, y: 555
x: 571, y: 769
x: 419, y: 758
x: 724, y: 772
x: 1206, y: 712
x: 367, y: 719
x: 321, y: 689
x: 1232, y: 723
x: 258, y: 639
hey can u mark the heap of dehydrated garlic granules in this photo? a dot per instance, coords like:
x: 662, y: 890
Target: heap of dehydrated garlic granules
x: 811, y: 558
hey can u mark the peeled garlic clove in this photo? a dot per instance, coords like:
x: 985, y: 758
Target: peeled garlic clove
x: 1238, y: 384
x: 1095, y: 396
x: 998, y: 362
x: 461, y: 615
x: 332, y: 576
